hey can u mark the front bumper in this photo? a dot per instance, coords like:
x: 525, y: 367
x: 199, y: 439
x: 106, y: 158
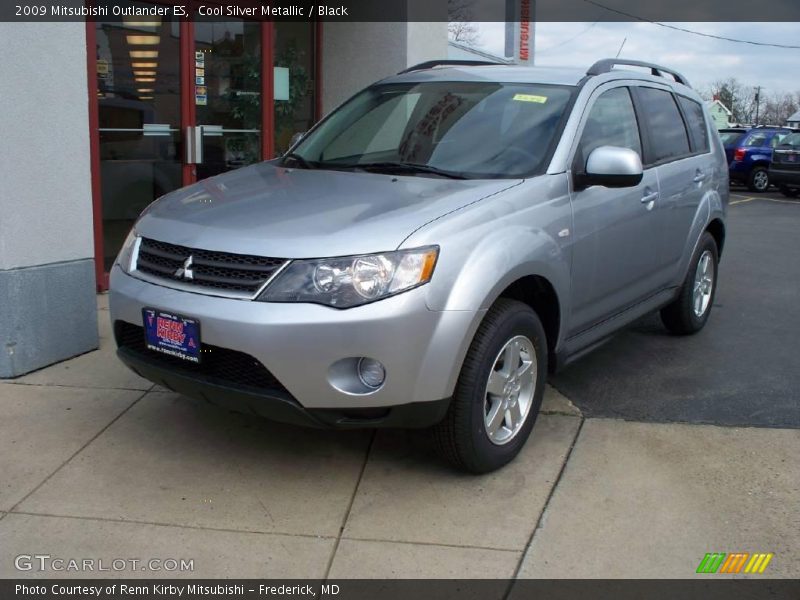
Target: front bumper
x: 781, y: 177
x: 422, y: 351
x: 280, y: 406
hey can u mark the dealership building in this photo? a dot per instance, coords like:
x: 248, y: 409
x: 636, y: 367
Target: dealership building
x: 100, y: 118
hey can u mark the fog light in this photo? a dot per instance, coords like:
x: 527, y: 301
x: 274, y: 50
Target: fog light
x: 371, y: 372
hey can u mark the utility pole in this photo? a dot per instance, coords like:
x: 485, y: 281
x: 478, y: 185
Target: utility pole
x: 758, y: 102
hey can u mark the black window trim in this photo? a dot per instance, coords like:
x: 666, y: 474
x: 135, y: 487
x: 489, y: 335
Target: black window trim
x: 647, y: 140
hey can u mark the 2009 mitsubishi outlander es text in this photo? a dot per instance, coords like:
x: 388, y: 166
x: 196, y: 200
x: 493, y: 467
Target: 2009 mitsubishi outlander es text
x: 428, y: 252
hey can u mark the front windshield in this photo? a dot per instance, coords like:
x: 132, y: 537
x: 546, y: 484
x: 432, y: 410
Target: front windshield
x: 465, y: 129
x: 791, y: 141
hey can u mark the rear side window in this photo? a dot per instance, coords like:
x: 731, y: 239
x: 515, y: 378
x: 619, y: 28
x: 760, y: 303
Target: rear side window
x: 668, y: 137
x: 730, y: 138
x: 756, y: 140
x: 611, y: 122
x: 696, y: 120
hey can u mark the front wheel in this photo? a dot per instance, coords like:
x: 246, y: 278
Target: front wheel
x: 689, y: 312
x: 758, y: 181
x: 499, y: 390
x: 789, y: 192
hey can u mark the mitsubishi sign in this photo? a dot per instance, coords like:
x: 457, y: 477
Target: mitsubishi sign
x: 520, y: 30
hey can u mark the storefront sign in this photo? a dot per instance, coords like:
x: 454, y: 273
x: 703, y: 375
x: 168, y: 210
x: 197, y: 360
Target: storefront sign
x: 524, y: 21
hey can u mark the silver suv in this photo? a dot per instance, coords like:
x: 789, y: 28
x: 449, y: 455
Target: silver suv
x: 431, y: 250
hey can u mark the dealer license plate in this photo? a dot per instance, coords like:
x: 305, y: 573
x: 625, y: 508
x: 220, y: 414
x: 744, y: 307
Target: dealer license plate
x: 172, y: 334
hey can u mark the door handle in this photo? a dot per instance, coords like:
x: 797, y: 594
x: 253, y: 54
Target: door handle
x: 648, y: 198
x: 194, y: 145
x: 699, y: 177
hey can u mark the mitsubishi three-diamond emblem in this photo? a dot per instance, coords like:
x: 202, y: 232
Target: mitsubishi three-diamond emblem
x: 186, y: 270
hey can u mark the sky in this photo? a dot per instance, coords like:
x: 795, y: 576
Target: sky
x: 701, y: 60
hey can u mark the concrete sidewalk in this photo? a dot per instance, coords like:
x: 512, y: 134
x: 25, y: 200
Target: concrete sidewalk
x: 96, y: 463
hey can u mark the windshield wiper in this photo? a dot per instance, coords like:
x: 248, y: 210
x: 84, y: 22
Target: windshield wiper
x: 403, y: 167
x: 296, y: 158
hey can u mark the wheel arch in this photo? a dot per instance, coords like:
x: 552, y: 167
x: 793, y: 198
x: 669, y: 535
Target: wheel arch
x: 539, y: 293
x: 717, y: 230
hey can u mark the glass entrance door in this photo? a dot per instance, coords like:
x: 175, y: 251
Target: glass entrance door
x: 227, y: 95
x: 139, y: 120
x: 179, y: 101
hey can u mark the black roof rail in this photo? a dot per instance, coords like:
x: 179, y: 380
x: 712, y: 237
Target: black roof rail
x: 446, y: 63
x: 607, y: 65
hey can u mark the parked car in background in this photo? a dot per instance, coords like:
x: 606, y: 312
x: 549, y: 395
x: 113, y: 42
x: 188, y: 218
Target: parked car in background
x: 749, y: 153
x: 430, y: 250
x: 785, y: 169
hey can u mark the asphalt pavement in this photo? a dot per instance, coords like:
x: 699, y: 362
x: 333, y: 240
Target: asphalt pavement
x: 743, y: 369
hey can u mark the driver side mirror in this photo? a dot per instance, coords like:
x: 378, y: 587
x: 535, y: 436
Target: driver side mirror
x: 612, y: 167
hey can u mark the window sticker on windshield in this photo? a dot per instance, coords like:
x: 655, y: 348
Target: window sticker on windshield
x: 530, y: 98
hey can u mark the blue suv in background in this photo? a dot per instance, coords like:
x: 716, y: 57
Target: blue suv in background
x: 749, y: 153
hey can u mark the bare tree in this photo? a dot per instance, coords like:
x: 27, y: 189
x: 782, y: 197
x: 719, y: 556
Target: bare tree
x: 778, y: 107
x: 460, y: 27
x: 774, y: 109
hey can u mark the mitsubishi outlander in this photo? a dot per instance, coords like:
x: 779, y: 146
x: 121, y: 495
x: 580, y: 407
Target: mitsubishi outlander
x: 429, y: 251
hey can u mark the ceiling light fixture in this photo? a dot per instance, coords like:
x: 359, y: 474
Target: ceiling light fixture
x: 144, y: 53
x: 132, y: 22
x: 143, y: 40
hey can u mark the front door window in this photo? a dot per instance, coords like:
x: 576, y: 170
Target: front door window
x: 294, y: 76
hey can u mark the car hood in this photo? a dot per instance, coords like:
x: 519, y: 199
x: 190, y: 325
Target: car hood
x: 269, y: 210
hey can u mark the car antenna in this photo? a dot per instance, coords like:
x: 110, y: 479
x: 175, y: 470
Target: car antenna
x: 621, y: 47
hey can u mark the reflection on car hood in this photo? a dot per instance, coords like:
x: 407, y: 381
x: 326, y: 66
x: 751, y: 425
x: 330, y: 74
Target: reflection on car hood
x: 269, y: 210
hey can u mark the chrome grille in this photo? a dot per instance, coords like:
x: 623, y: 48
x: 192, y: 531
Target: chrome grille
x: 239, y: 274
x: 787, y: 160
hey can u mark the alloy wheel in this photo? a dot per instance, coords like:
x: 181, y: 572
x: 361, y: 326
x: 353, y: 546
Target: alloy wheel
x: 761, y: 181
x: 510, y: 389
x: 703, y: 284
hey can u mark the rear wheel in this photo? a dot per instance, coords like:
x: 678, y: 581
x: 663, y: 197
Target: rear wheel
x: 758, y: 180
x: 499, y: 390
x: 689, y: 312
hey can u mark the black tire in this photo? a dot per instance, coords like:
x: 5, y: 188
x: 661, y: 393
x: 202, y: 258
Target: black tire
x: 679, y: 317
x: 758, y: 180
x: 461, y: 437
x: 789, y: 192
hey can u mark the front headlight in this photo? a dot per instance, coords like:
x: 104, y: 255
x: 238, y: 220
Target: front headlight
x: 130, y: 249
x: 352, y: 280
